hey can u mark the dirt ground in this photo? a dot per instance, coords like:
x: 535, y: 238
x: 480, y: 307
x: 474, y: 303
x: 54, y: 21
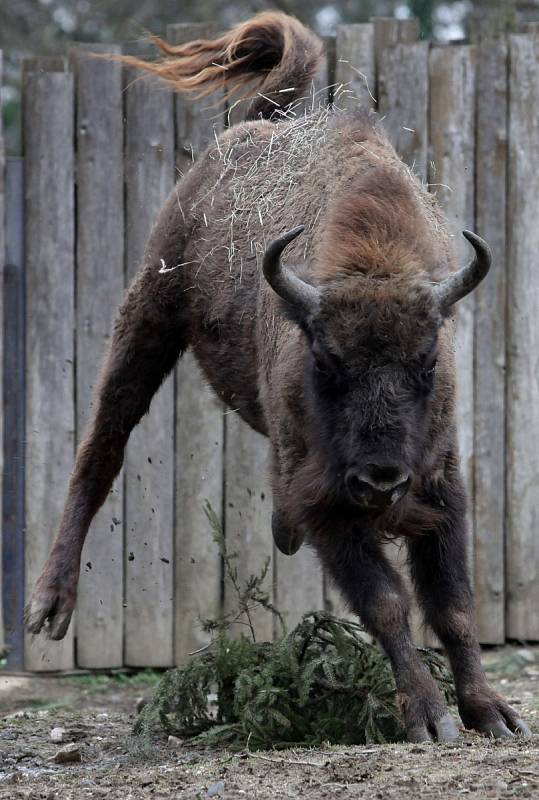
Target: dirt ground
x: 97, y: 713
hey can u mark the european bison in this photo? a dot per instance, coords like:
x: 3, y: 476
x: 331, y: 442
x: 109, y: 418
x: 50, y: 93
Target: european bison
x: 343, y: 357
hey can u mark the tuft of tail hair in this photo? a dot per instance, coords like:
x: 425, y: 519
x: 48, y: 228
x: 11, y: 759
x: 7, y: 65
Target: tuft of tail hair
x: 273, y: 50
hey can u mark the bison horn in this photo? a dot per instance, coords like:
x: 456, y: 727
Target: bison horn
x: 461, y: 283
x: 287, y: 285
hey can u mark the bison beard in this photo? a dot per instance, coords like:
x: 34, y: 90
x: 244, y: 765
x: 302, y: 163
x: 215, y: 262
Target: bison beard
x: 345, y: 359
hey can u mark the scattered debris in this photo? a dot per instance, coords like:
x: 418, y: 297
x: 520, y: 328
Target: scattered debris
x: 70, y: 754
x: 216, y: 789
x: 58, y: 734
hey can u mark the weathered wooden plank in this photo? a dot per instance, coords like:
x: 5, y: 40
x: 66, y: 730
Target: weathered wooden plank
x: 14, y: 415
x: 100, y: 284
x: 403, y: 100
x: 248, y: 509
x: 490, y: 342
x: 403, y: 95
x: 45, y: 64
x: 299, y: 585
x: 298, y: 580
x: 247, y: 498
x: 389, y: 32
x: 354, y: 87
x: 50, y: 422
x: 523, y: 341
x: 149, y: 488
x: 199, y: 478
x: 2, y: 253
x: 199, y: 416
x: 451, y: 176
x: 403, y: 103
x: 354, y: 66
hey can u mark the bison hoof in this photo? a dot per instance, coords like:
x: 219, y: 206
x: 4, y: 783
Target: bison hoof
x: 499, y: 729
x: 288, y: 540
x: 440, y: 730
x: 49, y: 609
x: 488, y: 713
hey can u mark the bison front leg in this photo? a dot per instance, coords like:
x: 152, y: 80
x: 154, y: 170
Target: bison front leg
x: 440, y: 572
x: 147, y: 341
x: 375, y: 592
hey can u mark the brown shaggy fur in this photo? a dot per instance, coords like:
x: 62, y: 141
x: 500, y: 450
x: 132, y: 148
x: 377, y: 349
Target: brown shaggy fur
x: 368, y: 380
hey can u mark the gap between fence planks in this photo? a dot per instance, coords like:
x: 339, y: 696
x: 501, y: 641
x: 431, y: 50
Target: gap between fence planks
x: 99, y: 287
x: 523, y: 342
x: 50, y: 411
x: 149, y: 468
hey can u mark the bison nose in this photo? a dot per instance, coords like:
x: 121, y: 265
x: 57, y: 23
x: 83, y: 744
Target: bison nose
x: 375, y: 486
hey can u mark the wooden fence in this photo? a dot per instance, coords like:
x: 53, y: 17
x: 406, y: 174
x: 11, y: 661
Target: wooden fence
x: 101, y: 152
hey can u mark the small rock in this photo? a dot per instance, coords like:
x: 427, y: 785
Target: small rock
x: 174, y: 741
x: 146, y: 780
x: 216, y: 789
x: 526, y: 655
x: 68, y: 754
x: 58, y: 734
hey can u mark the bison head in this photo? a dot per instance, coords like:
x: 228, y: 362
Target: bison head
x: 371, y: 369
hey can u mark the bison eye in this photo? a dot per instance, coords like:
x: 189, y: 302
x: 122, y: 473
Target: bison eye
x: 430, y: 370
x: 426, y: 377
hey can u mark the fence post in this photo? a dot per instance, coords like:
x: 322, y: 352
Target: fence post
x: 199, y: 417
x: 523, y: 341
x: 149, y: 488
x: 99, y: 287
x: 14, y: 416
x: 50, y: 244
x: 490, y: 342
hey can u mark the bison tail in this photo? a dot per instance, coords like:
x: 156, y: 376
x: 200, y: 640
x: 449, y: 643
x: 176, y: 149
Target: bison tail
x: 272, y: 57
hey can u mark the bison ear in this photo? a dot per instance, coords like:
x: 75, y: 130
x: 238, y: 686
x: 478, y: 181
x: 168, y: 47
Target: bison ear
x: 302, y: 296
x: 461, y: 283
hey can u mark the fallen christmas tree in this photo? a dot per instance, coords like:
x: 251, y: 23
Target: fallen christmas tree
x: 322, y: 682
